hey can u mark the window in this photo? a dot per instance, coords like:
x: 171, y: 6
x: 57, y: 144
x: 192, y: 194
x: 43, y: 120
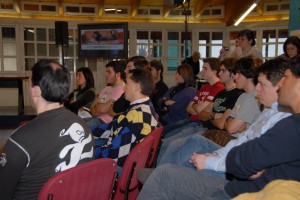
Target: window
x: 149, y: 44
x: 8, y: 50
x: 272, y: 42
x: 210, y: 44
x: 179, y: 46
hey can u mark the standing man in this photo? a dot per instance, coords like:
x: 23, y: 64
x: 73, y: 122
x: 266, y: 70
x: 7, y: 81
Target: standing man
x: 54, y: 141
x: 114, y: 75
x: 193, y: 61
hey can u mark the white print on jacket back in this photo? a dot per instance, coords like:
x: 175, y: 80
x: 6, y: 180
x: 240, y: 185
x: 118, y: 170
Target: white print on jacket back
x: 76, y: 132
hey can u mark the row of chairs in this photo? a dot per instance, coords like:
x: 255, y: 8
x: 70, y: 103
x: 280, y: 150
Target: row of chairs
x: 98, y: 179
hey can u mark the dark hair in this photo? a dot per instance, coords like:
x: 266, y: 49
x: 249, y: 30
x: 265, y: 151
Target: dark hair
x: 118, y: 67
x: 273, y: 69
x: 138, y: 61
x: 214, y: 63
x: 294, y: 65
x: 89, y: 78
x: 53, y: 81
x: 294, y: 40
x: 229, y: 64
x: 144, y: 78
x: 186, y: 71
x: 143, y: 63
x: 158, y: 66
x: 248, y: 34
x: 245, y: 66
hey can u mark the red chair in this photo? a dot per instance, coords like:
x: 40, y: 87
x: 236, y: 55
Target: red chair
x: 87, y: 181
x: 156, y: 143
x: 127, y: 184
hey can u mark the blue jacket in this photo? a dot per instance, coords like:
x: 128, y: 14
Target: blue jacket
x: 177, y: 111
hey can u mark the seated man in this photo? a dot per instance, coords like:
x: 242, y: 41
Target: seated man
x: 54, y: 141
x: 203, y: 98
x: 243, y: 113
x: 157, y: 70
x: 114, y: 75
x: 130, y: 127
x: 254, y: 163
x: 122, y: 104
x: 269, y: 75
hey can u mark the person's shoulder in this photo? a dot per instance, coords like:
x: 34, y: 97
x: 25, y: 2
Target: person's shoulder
x: 162, y: 84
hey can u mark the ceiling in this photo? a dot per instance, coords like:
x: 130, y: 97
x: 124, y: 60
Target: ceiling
x: 229, y: 10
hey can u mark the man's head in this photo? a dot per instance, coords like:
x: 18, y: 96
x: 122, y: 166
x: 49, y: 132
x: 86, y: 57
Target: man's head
x: 49, y: 80
x: 269, y: 74
x: 114, y: 72
x: 289, y: 85
x: 136, y: 62
x: 157, y: 69
x: 226, y: 72
x: 139, y: 84
x: 196, y: 56
x: 245, y: 72
x: 210, y: 68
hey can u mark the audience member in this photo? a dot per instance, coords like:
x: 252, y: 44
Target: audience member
x: 193, y: 61
x: 157, y: 70
x: 80, y: 100
x: 270, y: 74
x: 174, y: 102
x: 254, y: 163
x: 207, y: 92
x: 122, y: 104
x: 245, y: 46
x: 114, y: 75
x: 129, y: 128
x: 291, y: 47
x: 54, y: 141
x: 242, y: 115
x: 203, y: 98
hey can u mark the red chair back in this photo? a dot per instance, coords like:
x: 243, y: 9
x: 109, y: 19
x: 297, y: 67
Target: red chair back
x: 154, y: 150
x: 87, y: 181
x: 127, y: 187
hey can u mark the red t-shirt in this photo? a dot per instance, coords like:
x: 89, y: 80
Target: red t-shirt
x: 207, y: 93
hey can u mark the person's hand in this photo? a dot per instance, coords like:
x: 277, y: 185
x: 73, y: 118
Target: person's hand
x: 198, y: 160
x: 81, y: 109
x: 169, y: 102
x: 238, y: 51
x: 222, y: 53
x: 257, y: 175
x: 218, y: 115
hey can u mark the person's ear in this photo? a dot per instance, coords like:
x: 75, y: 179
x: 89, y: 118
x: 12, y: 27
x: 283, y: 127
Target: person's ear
x: 137, y: 87
x: 36, y: 91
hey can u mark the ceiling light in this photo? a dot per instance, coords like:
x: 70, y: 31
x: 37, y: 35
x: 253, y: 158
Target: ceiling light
x: 246, y: 13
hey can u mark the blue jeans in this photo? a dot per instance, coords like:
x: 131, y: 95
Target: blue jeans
x: 180, y: 151
x: 174, y: 128
x: 174, y: 182
x: 188, y: 130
